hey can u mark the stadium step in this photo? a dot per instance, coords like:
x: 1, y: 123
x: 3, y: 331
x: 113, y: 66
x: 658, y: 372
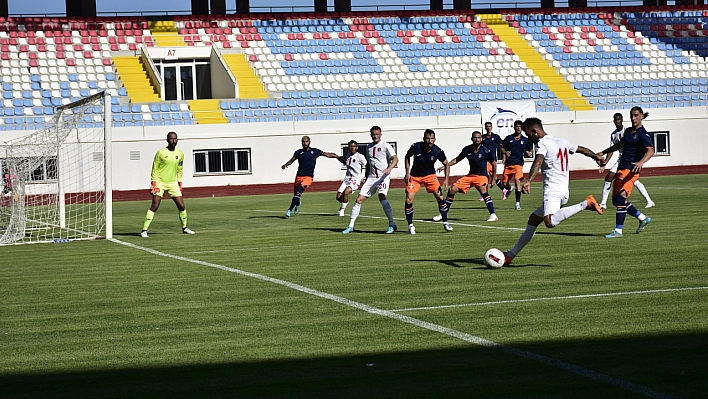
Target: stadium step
x: 135, y: 79
x: 165, y: 34
x: 207, y: 112
x: 534, y: 61
x: 248, y: 83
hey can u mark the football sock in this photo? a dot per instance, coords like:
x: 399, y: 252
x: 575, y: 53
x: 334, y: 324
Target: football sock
x: 606, y: 191
x: 295, y: 201
x: 409, y: 213
x: 488, y: 202
x: 387, y: 210
x: 518, y: 196
x: 564, y: 213
x: 343, y: 206
x: 448, y: 201
x: 183, y: 218
x: 642, y: 190
x: 525, y: 238
x: 355, y: 214
x: 632, y: 211
x: 621, y: 204
x: 443, y: 207
x: 148, y: 219
x: 500, y: 184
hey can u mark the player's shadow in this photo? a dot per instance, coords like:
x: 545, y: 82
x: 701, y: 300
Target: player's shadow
x: 479, y: 262
x: 567, y: 234
x: 339, y: 230
x: 283, y: 217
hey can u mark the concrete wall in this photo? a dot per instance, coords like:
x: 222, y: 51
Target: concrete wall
x: 272, y: 144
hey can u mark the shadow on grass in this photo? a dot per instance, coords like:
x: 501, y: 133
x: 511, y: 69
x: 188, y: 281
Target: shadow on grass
x: 567, y: 234
x: 671, y: 365
x: 474, y: 261
x: 270, y: 217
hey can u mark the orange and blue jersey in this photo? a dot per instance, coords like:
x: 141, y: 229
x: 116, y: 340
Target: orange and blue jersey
x: 634, y: 148
x: 478, y: 159
x: 307, y: 160
x: 492, y: 142
x: 517, y: 146
x: 423, y: 160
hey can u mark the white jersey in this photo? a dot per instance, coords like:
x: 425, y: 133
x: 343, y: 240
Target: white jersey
x: 555, y: 167
x: 616, y: 137
x: 379, y: 156
x: 355, y: 166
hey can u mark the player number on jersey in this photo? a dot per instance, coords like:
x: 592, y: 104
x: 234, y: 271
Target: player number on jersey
x: 563, y: 156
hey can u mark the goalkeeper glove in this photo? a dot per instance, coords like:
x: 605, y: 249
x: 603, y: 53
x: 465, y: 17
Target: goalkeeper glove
x: 153, y: 188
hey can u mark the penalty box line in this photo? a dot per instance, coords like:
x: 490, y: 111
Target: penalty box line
x: 552, y: 298
x: 569, y: 367
x: 402, y: 219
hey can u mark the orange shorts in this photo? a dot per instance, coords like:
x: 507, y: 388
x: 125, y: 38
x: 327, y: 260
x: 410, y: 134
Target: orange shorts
x: 468, y: 181
x: 304, y: 181
x: 513, y: 172
x: 624, y: 181
x: 430, y: 182
x: 489, y: 172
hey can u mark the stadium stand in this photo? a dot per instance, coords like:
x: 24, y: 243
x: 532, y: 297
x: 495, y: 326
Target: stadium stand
x: 363, y: 65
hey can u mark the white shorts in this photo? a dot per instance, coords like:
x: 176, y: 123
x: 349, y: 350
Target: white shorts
x: 349, y: 182
x: 552, y: 203
x: 373, y: 184
x: 613, y: 169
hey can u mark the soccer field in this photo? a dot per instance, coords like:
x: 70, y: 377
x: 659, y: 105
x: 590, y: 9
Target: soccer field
x: 259, y: 305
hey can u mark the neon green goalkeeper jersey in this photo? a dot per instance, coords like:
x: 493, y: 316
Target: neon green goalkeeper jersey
x: 167, y: 166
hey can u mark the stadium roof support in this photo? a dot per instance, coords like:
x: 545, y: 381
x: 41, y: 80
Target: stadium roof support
x: 243, y: 6
x: 341, y: 5
x: 577, y: 3
x: 80, y: 8
x: 462, y: 4
x: 200, y: 7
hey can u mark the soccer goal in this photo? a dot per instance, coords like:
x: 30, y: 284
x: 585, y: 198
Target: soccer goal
x: 56, y: 182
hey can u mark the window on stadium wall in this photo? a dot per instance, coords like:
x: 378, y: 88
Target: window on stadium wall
x: 661, y: 143
x: 362, y: 150
x: 224, y: 161
x: 46, y: 170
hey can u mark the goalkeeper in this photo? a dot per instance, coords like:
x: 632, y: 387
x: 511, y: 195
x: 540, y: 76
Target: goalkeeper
x: 166, y: 176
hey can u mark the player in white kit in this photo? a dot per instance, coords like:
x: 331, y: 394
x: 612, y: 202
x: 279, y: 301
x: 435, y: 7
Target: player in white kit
x: 381, y: 161
x: 356, y: 165
x: 616, y: 137
x: 552, y: 160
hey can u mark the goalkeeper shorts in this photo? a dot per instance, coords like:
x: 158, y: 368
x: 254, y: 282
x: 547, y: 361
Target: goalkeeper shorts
x: 171, y: 188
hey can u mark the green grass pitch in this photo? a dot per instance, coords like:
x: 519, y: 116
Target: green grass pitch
x: 364, y: 315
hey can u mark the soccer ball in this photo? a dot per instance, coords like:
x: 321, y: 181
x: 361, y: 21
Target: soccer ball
x: 494, y: 258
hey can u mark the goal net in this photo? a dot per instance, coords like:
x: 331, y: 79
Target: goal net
x: 56, y: 181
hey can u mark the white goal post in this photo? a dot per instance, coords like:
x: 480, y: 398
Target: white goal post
x: 56, y: 182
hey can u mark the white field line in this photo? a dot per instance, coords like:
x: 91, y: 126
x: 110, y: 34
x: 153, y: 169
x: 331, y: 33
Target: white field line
x: 552, y: 298
x: 578, y: 370
x: 400, y: 219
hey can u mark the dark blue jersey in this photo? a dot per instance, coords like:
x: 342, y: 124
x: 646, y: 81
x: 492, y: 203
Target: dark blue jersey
x: 492, y: 143
x: 307, y: 160
x: 634, y: 147
x: 517, y: 146
x: 478, y: 159
x: 424, y: 161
